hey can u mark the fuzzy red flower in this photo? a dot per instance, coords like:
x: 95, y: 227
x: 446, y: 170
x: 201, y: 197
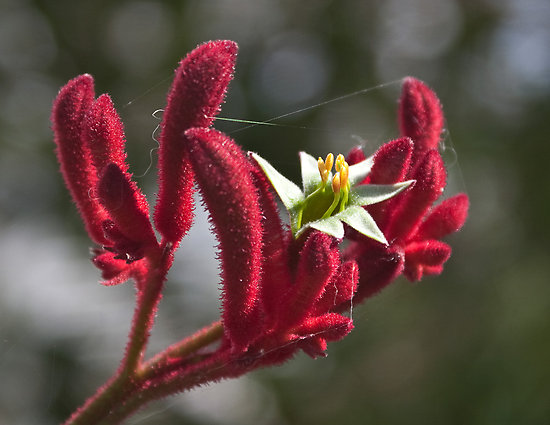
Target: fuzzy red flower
x: 284, y: 288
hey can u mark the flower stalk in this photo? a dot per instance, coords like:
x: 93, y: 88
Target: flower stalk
x: 285, y: 289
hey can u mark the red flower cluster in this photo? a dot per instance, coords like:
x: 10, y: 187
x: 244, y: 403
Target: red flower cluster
x: 410, y: 221
x: 281, y: 293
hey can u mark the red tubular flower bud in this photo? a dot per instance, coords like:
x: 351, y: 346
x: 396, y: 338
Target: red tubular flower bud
x: 430, y: 176
x: 104, y: 134
x: 420, y: 116
x: 426, y: 257
x: 115, y: 271
x: 330, y: 326
x: 446, y: 218
x: 355, y: 155
x: 69, y: 109
x: 127, y: 206
x: 378, y: 267
x: 275, y: 279
x: 317, y: 331
x: 391, y: 162
x: 223, y: 175
x: 318, y: 262
x: 340, y: 290
x: 314, y: 346
x: 195, y: 97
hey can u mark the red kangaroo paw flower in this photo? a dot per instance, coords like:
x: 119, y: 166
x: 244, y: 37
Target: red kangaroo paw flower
x: 420, y: 116
x: 355, y: 155
x: 318, y: 262
x: 430, y: 176
x: 392, y: 162
x: 127, y: 207
x: 317, y: 331
x: 276, y: 279
x: 378, y: 266
x: 115, y: 271
x: 223, y: 174
x: 195, y: 97
x: 446, y: 218
x: 340, y: 290
x: 314, y: 346
x: 104, y: 134
x: 330, y: 326
x: 426, y: 257
x: 69, y: 109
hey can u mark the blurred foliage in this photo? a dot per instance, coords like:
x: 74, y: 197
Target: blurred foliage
x: 471, y: 346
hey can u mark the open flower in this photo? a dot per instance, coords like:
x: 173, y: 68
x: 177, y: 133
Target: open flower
x: 328, y: 201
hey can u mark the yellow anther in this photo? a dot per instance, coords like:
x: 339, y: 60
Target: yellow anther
x: 325, y: 166
x: 329, y: 161
x: 344, y: 174
x: 340, y: 161
x: 322, y: 170
x: 336, y: 183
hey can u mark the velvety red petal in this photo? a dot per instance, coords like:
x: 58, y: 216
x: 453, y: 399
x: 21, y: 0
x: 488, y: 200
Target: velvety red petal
x: 392, y: 162
x: 446, y: 218
x: 340, y: 290
x: 314, y: 346
x: 276, y: 277
x: 195, y: 97
x: 317, y: 264
x: 430, y: 176
x: 104, y: 134
x: 379, y: 265
x: 420, y: 116
x: 113, y: 271
x: 69, y: 109
x: 330, y: 326
x: 126, y: 205
x: 223, y: 175
x: 426, y: 257
x: 355, y: 155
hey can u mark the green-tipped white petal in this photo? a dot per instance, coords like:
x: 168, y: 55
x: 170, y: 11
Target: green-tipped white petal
x: 361, y: 221
x: 311, y: 178
x: 358, y: 172
x: 373, y: 193
x: 290, y: 194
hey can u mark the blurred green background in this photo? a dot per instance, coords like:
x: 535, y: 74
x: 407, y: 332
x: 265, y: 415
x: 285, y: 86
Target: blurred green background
x: 471, y: 346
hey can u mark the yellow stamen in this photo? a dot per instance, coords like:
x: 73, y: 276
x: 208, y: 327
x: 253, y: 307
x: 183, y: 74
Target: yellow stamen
x: 344, y: 174
x: 325, y: 167
x: 329, y: 161
x: 322, y: 170
x: 336, y: 183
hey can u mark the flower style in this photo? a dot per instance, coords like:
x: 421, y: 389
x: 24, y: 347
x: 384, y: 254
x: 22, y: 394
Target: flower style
x: 283, y: 289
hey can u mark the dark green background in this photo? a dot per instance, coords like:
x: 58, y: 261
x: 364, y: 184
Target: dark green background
x: 471, y: 346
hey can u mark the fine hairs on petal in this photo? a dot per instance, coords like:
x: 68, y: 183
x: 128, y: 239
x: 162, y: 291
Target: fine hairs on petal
x: 426, y: 257
x: 223, y: 174
x: 446, y: 218
x: 68, y: 114
x: 104, y: 134
x: 127, y: 206
x: 430, y: 176
x: 194, y: 100
x: 420, y: 116
x: 318, y: 262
